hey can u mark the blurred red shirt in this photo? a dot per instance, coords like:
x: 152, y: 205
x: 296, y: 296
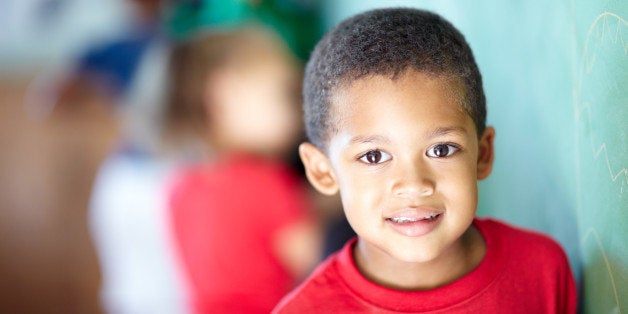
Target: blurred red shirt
x: 225, y: 215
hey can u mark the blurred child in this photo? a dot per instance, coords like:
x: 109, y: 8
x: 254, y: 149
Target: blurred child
x: 395, y: 113
x: 240, y: 217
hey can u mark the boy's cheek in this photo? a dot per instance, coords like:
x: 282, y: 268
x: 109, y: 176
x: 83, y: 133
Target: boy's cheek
x: 357, y: 187
x: 361, y: 188
x: 463, y: 191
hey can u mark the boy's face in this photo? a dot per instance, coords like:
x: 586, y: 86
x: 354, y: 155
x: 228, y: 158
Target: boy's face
x: 406, y: 160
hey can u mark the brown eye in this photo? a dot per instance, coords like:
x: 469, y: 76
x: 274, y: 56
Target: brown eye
x: 442, y: 150
x: 374, y: 157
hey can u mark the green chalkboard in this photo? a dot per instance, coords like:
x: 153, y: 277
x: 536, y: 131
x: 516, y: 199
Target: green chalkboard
x: 601, y: 117
x: 556, y: 80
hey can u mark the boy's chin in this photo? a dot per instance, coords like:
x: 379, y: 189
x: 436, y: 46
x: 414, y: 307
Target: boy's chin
x: 417, y: 256
x: 409, y: 252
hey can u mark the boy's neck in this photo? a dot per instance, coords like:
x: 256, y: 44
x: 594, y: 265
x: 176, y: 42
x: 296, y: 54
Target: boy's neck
x: 453, y: 264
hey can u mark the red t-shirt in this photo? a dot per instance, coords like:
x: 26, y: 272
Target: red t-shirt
x: 522, y: 272
x: 225, y: 215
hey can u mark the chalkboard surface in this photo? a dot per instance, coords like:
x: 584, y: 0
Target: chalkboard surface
x: 556, y: 79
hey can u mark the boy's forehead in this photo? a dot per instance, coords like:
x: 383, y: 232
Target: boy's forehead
x: 346, y: 98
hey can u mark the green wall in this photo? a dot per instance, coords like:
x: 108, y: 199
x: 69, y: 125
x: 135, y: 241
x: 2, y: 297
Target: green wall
x: 556, y: 78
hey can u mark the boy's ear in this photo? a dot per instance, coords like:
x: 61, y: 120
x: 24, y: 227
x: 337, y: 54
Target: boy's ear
x: 486, y: 153
x: 318, y: 169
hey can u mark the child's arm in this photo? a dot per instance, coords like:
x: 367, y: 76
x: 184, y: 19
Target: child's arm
x: 299, y: 247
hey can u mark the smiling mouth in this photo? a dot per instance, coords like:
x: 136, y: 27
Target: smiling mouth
x: 407, y: 220
x: 412, y: 224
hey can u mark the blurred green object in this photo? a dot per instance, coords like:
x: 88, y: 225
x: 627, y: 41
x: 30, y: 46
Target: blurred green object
x: 297, y: 21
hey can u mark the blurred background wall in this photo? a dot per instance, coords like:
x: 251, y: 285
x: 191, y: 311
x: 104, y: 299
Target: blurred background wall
x: 555, y: 80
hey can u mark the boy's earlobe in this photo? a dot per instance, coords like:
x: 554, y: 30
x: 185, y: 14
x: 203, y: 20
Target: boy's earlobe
x: 318, y: 169
x: 486, y: 153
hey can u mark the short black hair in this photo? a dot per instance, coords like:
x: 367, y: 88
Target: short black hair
x: 387, y: 42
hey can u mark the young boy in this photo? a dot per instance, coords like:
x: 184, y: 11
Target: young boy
x: 395, y: 113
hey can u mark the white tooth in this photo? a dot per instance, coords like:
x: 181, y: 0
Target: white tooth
x: 401, y: 219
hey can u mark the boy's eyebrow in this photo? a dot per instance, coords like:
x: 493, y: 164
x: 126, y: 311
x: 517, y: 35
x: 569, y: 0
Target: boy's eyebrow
x: 362, y: 139
x: 446, y: 130
x: 365, y: 139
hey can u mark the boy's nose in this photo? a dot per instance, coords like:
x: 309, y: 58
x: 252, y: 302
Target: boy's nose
x: 414, y: 180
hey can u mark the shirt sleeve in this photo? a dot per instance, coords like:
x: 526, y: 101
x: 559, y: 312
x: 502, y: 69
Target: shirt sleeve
x: 285, y: 196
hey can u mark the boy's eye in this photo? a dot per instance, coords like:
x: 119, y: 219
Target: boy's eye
x: 374, y: 157
x: 442, y: 150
